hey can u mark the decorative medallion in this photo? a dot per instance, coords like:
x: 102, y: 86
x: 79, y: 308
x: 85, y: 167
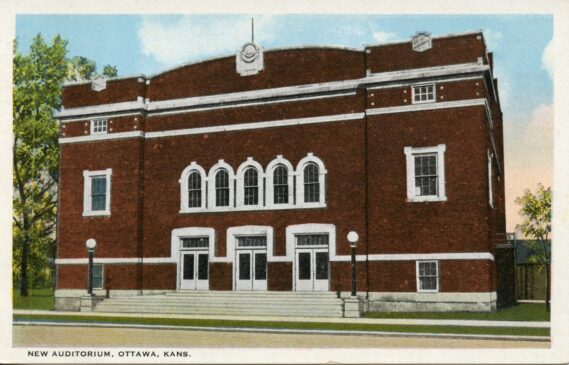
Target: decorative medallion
x: 249, y: 59
x: 421, y: 42
x: 99, y: 84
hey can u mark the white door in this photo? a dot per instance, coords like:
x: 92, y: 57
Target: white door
x: 312, y: 269
x: 251, y: 269
x: 194, y: 270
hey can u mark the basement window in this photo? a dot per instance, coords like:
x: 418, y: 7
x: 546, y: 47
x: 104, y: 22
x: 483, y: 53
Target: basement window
x: 427, y: 276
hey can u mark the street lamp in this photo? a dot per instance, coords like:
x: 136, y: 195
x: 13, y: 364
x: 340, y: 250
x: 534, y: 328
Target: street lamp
x: 353, y: 240
x: 91, y: 245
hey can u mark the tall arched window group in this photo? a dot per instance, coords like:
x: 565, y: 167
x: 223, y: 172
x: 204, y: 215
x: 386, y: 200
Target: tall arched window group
x: 278, y: 186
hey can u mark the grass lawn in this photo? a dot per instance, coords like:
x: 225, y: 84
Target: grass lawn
x: 36, y: 299
x: 289, y: 325
x: 520, y: 312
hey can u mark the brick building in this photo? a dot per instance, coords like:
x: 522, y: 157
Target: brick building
x: 245, y: 173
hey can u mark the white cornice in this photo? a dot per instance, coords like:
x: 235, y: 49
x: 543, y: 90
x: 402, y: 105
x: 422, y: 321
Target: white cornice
x: 101, y: 109
x: 242, y: 98
x: 381, y: 257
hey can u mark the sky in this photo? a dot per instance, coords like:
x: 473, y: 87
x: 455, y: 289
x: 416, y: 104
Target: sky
x: 522, y: 47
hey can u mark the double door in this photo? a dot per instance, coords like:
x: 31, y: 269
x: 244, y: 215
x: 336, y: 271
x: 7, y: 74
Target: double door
x: 194, y: 270
x: 312, y: 269
x: 251, y: 269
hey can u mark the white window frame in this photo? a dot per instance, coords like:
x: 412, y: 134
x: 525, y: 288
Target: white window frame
x: 310, y: 158
x: 221, y: 164
x: 490, y: 187
x: 270, y: 186
x: 240, y: 176
x: 184, y: 196
x: 419, y: 289
x: 434, y: 99
x: 410, y: 153
x: 104, y: 130
x: 87, y: 177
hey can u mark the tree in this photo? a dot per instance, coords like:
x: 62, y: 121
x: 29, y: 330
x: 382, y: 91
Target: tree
x: 536, y: 212
x: 37, y: 81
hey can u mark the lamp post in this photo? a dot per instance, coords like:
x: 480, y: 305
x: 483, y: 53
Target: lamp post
x: 353, y: 240
x: 91, y: 245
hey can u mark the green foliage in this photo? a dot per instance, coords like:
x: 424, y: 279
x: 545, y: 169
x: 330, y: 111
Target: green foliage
x: 37, y: 81
x: 36, y: 92
x: 536, y: 212
x: 110, y: 71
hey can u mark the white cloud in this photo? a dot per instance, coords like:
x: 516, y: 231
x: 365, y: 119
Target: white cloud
x: 191, y: 38
x: 383, y: 37
x: 547, y: 59
x: 539, y: 131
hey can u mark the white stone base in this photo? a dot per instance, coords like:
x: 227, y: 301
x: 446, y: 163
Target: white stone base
x: 353, y: 307
x: 89, y: 302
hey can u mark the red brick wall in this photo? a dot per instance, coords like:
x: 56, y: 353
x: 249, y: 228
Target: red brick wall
x: 457, y: 225
x: 117, y: 91
x: 445, y: 51
x: 280, y: 276
x: 281, y: 68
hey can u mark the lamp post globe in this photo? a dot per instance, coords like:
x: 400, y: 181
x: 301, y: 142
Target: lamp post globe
x: 353, y: 240
x: 91, y: 244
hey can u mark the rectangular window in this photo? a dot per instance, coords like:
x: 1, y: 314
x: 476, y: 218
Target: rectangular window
x: 426, y: 173
x: 203, y: 266
x: 312, y: 239
x: 427, y: 276
x: 97, y: 276
x: 188, y: 266
x: 260, y: 266
x: 195, y: 242
x: 98, y: 126
x: 423, y: 93
x: 426, y: 180
x: 244, y: 266
x: 97, y: 193
x: 252, y: 241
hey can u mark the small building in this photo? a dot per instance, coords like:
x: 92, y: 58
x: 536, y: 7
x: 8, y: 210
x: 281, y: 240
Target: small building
x: 246, y: 173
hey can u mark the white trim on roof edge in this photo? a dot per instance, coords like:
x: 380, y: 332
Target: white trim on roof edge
x: 326, y: 87
x: 289, y: 256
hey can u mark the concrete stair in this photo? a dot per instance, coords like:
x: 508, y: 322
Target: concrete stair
x: 241, y: 303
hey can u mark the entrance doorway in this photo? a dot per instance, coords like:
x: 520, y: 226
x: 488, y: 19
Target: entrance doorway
x: 251, y: 263
x: 194, y: 263
x: 312, y: 264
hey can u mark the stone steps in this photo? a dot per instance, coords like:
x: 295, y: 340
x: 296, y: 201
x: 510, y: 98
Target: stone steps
x: 299, y: 304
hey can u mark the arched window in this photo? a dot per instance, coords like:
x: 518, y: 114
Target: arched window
x: 311, y: 183
x: 280, y: 185
x: 222, y: 188
x: 251, y: 187
x: 194, y: 190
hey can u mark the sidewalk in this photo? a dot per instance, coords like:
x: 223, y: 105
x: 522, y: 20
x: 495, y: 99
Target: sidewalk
x: 391, y: 321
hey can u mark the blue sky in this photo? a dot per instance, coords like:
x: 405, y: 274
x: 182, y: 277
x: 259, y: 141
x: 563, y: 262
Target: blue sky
x: 521, y: 44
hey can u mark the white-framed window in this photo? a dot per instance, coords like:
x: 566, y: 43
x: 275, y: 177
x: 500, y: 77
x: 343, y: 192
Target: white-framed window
x: 490, y: 188
x: 423, y: 93
x: 427, y: 276
x: 97, y: 192
x: 99, y: 126
x: 221, y: 180
x: 193, y: 188
x: 425, y: 173
x: 280, y: 176
x: 250, y: 185
x: 311, y: 182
